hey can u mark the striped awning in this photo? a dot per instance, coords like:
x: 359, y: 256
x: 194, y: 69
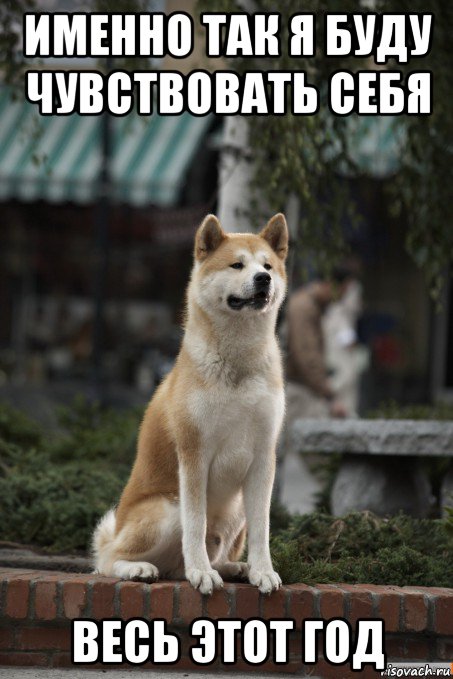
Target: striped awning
x: 58, y: 158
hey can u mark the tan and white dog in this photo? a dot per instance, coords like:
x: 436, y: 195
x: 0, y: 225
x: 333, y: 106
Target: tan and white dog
x: 206, y: 451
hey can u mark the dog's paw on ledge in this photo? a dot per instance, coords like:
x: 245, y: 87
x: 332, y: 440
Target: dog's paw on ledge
x: 266, y: 581
x: 204, y: 580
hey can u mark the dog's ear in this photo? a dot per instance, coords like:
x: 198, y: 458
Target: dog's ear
x: 209, y: 236
x: 276, y: 234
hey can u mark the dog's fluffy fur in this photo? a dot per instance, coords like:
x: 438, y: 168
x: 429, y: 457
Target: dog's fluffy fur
x: 206, y: 452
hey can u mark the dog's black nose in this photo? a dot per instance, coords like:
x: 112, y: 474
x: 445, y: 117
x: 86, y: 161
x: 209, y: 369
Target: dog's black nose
x: 262, y: 280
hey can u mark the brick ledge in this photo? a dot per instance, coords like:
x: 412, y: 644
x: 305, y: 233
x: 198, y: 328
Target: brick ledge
x: 36, y: 608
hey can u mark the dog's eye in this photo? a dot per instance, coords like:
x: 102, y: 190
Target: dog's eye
x: 268, y: 267
x: 237, y: 265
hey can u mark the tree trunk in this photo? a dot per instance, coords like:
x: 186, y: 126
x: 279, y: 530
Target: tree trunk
x: 236, y: 169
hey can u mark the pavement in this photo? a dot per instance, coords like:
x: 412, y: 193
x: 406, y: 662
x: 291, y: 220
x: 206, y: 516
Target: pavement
x: 86, y: 673
x: 17, y: 556
x: 42, y: 401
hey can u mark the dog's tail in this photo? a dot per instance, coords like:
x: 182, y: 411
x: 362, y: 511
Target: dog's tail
x: 102, y: 542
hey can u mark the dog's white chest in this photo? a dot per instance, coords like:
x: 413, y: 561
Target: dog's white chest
x: 235, y: 424
x: 225, y: 413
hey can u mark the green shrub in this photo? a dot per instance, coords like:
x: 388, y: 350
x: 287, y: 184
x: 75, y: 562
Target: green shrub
x: 54, y: 506
x: 361, y: 547
x: 53, y: 490
x: 17, y: 428
x: 392, y: 410
x: 90, y: 432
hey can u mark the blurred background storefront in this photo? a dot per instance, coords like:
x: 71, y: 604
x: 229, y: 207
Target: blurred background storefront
x: 162, y: 180
x: 65, y: 223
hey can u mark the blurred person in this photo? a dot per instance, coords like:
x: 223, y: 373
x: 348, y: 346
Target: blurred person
x: 346, y: 359
x: 310, y: 393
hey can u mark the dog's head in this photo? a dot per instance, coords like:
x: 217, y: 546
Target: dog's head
x: 240, y: 273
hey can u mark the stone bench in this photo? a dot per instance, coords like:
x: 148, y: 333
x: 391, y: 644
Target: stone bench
x: 380, y: 470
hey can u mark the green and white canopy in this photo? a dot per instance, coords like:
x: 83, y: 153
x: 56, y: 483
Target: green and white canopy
x: 58, y: 158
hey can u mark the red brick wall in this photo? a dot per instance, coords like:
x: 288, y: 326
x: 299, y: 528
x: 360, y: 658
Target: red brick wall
x: 36, y: 609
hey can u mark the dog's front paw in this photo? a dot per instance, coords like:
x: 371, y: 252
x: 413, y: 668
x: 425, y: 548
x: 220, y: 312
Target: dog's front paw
x: 204, y: 580
x: 266, y: 581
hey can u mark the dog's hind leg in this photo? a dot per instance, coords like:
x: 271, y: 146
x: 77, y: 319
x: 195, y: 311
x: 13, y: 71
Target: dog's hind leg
x: 232, y: 568
x: 135, y: 570
x: 237, y: 548
x: 231, y: 543
x: 145, y: 544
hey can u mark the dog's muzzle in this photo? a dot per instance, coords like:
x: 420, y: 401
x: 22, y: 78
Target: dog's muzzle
x: 260, y: 298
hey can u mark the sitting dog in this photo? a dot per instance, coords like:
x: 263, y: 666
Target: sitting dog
x: 205, y: 462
